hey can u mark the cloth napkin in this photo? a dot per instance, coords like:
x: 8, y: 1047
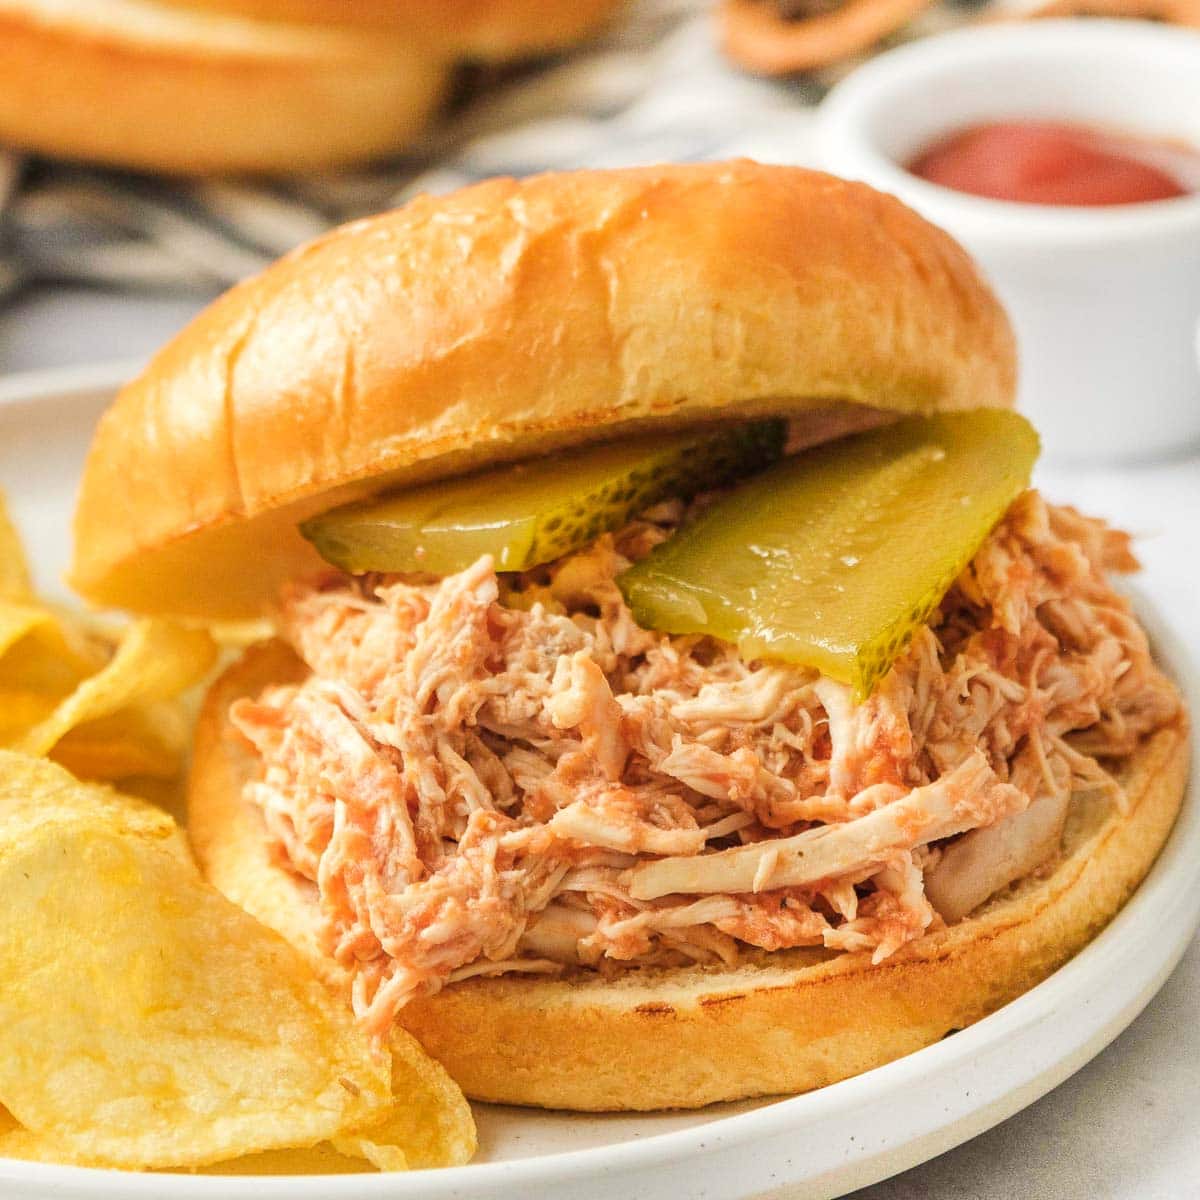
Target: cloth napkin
x: 654, y: 88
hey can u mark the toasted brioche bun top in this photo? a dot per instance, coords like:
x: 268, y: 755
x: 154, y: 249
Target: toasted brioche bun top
x: 503, y: 320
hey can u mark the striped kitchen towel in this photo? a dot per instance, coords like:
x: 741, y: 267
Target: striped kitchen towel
x: 655, y: 87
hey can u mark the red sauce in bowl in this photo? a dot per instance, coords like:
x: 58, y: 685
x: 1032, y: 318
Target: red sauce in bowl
x: 1045, y: 162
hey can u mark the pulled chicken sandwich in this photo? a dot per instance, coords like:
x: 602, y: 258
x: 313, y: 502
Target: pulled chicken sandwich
x: 679, y: 693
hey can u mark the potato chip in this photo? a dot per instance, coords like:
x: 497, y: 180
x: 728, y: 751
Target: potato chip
x: 103, y: 702
x: 15, y: 581
x: 19, y: 710
x: 429, y: 1125
x: 106, y: 755
x: 321, y: 1159
x: 17, y: 1142
x: 430, y: 1121
x: 46, y: 659
x: 41, y: 651
x: 18, y: 621
x: 143, y: 739
x: 145, y: 1021
x: 156, y: 659
x: 237, y: 635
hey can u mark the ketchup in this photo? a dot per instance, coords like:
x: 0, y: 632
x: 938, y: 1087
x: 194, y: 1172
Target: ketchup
x: 1044, y: 162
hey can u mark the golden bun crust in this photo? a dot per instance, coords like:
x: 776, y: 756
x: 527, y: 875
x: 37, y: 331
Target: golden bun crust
x: 663, y: 1039
x: 485, y: 29
x: 140, y: 84
x: 505, y: 319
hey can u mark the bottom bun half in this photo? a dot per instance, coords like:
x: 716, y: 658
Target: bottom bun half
x: 789, y: 1021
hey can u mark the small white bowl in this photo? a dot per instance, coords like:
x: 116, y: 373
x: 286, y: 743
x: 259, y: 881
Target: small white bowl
x: 1105, y: 301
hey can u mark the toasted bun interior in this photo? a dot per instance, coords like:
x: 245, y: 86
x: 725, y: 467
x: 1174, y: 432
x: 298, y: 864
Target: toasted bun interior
x: 791, y: 1021
x: 501, y: 321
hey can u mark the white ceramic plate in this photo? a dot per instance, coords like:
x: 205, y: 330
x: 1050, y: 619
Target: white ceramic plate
x: 819, y: 1145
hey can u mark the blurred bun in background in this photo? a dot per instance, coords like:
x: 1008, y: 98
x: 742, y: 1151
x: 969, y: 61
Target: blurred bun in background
x: 270, y: 86
x: 489, y: 30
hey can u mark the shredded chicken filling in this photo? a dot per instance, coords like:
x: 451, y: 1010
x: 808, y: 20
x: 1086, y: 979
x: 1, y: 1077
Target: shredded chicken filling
x: 494, y: 773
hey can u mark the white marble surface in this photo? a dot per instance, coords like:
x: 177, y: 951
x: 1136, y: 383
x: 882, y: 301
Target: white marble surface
x: 1125, y: 1127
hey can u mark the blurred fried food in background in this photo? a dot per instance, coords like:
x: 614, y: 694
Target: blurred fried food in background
x: 213, y: 86
x: 781, y: 37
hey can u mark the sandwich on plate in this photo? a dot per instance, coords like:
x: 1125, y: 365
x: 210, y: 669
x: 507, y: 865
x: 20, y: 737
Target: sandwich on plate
x: 679, y: 692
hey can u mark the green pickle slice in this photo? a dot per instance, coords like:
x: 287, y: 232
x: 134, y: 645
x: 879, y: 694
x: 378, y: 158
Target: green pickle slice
x: 533, y: 512
x: 832, y: 559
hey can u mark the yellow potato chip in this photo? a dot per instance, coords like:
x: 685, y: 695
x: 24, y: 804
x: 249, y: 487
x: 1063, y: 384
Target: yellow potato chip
x: 155, y: 660
x: 237, y: 635
x: 144, y: 741
x: 321, y: 1159
x: 15, y: 583
x: 147, y: 740
x: 429, y: 1124
x: 167, y: 794
x: 20, y: 710
x: 18, y: 1142
x: 112, y: 756
x: 145, y: 1021
x: 39, y: 651
x: 101, y: 702
x: 18, y: 621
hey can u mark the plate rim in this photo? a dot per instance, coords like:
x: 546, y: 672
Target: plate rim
x: 46, y: 384
x: 1168, y: 888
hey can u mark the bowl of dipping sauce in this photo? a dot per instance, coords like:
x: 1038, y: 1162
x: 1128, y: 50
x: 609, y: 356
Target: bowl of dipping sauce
x: 1065, y: 155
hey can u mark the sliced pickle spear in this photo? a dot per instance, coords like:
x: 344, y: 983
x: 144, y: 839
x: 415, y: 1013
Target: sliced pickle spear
x: 833, y: 558
x: 536, y: 511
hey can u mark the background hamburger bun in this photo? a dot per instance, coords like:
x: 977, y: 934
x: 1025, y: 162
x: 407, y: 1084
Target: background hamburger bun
x: 500, y: 321
x: 794, y: 1020
x: 203, y: 86
x: 491, y: 30
x: 146, y: 85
